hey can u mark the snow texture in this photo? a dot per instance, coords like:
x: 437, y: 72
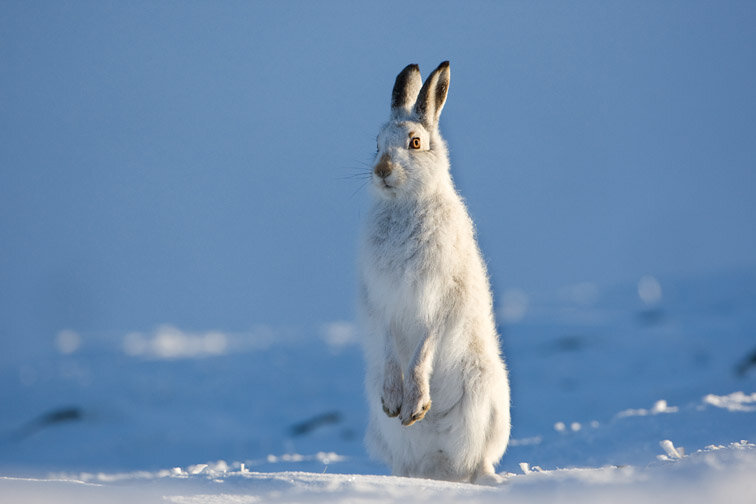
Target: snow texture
x: 716, y: 473
x: 180, y: 194
x: 607, y: 404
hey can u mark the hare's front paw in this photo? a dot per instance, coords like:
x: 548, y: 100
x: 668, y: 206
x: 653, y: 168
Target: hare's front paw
x: 391, y: 398
x: 416, y: 403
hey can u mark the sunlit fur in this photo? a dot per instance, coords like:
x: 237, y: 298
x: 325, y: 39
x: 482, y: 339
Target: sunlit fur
x: 426, y: 305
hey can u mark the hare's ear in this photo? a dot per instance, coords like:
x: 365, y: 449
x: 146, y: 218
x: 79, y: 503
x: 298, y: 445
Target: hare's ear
x: 406, y: 87
x: 432, y: 96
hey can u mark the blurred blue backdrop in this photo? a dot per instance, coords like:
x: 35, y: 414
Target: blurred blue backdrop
x: 193, y: 162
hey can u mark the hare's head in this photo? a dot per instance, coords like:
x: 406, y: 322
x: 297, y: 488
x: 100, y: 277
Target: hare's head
x: 411, y: 156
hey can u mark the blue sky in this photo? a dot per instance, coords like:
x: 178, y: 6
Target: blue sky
x: 191, y: 162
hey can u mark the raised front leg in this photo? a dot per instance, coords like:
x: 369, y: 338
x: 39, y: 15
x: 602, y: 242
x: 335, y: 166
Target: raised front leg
x: 393, y: 390
x: 417, y: 400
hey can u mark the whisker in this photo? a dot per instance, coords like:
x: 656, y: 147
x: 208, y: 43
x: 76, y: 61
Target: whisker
x: 362, y: 171
x: 358, y: 189
x: 355, y: 176
x: 357, y: 172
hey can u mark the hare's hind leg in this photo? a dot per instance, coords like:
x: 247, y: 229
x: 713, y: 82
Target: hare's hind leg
x: 485, y: 475
x: 377, y: 444
x: 437, y: 465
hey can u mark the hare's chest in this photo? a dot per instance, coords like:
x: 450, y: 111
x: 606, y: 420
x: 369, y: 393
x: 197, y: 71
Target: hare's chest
x: 402, y: 270
x: 400, y: 242
x: 392, y: 284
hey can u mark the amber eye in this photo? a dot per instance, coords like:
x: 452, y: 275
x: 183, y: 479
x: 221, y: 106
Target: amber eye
x: 415, y: 143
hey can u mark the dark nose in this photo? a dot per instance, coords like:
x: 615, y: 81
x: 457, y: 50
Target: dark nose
x: 383, y: 168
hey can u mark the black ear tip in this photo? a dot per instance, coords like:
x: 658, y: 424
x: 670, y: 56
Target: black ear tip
x: 408, y: 70
x: 444, y: 64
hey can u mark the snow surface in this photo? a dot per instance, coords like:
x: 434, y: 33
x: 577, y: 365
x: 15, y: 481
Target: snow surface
x: 715, y: 474
x: 180, y: 192
x: 612, y: 398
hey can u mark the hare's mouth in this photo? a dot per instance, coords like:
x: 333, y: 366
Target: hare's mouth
x: 382, y: 183
x: 388, y: 185
x: 386, y: 189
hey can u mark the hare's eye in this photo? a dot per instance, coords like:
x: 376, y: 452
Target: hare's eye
x: 415, y: 143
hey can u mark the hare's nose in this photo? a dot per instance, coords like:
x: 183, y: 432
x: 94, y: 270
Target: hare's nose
x: 383, y: 168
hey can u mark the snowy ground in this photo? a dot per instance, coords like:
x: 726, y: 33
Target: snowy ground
x: 716, y: 474
x: 199, y: 164
x: 630, y: 393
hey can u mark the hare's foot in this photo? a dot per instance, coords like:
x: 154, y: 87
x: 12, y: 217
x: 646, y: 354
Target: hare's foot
x: 485, y: 475
x: 416, y: 403
x: 391, y: 397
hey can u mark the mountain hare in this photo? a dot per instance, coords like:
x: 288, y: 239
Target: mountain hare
x: 431, y: 346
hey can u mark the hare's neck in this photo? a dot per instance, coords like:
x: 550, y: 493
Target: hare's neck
x: 411, y: 202
x: 401, y: 217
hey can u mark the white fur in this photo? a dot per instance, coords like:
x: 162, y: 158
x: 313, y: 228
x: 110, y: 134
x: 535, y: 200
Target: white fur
x: 426, y: 305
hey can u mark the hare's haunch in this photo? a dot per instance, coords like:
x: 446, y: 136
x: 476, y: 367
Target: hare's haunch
x: 431, y: 346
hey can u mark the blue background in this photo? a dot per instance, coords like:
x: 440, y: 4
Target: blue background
x: 198, y: 163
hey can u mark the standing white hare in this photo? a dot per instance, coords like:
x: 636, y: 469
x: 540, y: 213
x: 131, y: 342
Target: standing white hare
x: 431, y: 345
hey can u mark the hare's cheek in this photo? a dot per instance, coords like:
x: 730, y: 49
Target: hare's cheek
x: 399, y: 174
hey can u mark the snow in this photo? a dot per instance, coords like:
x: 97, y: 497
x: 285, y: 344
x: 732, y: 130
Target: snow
x: 737, y: 401
x: 169, y: 342
x: 672, y: 451
x: 659, y: 407
x: 609, y: 401
x: 180, y: 196
x: 724, y: 474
